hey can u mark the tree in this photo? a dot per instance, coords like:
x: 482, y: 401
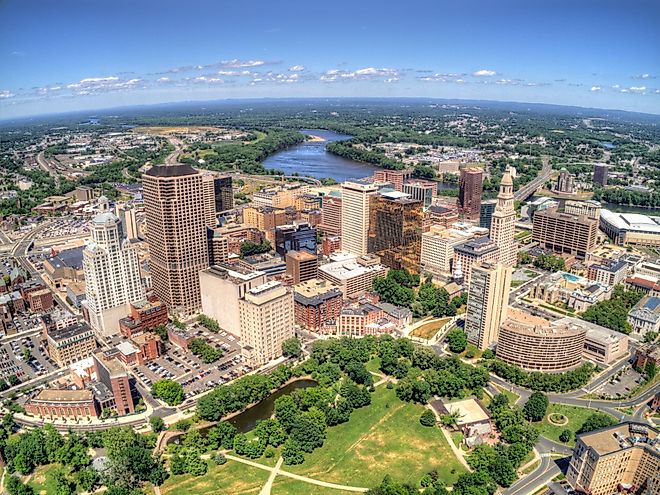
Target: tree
x: 222, y: 435
x: 292, y: 347
x: 16, y: 487
x: 157, y: 424
x: 457, y: 340
x: 536, y: 406
x: 169, y: 391
x: 650, y: 336
x: 307, y: 434
x: 286, y: 412
x: 292, y: 453
x: 596, y: 421
x: 427, y: 418
x: 565, y: 435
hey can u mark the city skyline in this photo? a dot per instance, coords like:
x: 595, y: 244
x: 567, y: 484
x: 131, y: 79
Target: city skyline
x: 68, y: 58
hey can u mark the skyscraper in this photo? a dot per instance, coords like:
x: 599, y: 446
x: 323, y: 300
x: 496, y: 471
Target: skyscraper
x: 395, y: 228
x: 355, y: 216
x: 503, y: 222
x: 223, y: 188
x: 176, y: 222
x: 488, y: 298
x: 486, y: 212
x: 331, y: 208
x: 600, y: 174
x: 564, y: 182
x: 112, y: 274
x: 470, y: 186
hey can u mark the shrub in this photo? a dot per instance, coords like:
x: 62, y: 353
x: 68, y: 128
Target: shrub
x: 427, y: 418
x: 565, y: 435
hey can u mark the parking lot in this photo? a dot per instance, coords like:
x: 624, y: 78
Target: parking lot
x: 12, y: 358
x: 621, y: 384
x: 65, y: 227
x: 187, y: 369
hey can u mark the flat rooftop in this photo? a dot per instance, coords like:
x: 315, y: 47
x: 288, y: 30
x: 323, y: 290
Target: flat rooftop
x: 63, y: 395
x: 470, y: 411
x: 622, y: 436
x: 347, y: 269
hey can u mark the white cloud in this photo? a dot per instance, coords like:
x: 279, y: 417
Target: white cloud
x: 297, y: 68
x: 163, y: 79
x: 360, y: 74
x: 637, y: 89
x: 236, y: 63
x: 595, y: 89
x: 643, y: 76
x: 616, y: 86
x: 209, y: 80
x: 6, y: 94
x: 484, y: 73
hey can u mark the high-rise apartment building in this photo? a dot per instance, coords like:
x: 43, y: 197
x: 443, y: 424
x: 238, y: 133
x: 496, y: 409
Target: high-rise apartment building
x: 488, y: 300
x: 112, y: 274
x: 267, y: 320
x: 301, y: 265
x: 565, y: 233
x: 470, y: 185
x: 331, y: 224
x: 222, y: 286
x: 600, y: 174
x: 173, y: 198
x: 355, y: 216
x: 565, y: 182
x: 503, y: 222
x: 616, y: 458
x: 128, y: 216
x: 316, y: 302
x: 395, y: 228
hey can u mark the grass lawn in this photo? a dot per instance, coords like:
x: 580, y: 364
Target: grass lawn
x: 43, y: 478
x: 288, y: 486
x: 457, y: 437
x: 428, y: 330
x: 232, y: 477
x: 513, y: 397
x: 373, y: 365
x: 576, y: 417
x: 383, y: 438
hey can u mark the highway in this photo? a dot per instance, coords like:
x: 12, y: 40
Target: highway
x: 527, y: 190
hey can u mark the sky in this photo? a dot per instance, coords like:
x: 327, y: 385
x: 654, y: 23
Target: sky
x: 65, y: 55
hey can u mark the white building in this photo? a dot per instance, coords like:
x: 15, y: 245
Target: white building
x: 353, y: 275
x: 437, y: 253
x: 112, y: 274
x: 503, y: 223
x: 355, y: 216
x: 267, y: 320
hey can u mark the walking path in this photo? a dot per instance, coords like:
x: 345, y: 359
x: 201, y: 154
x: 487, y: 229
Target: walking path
x: 269, y: 484
x: 460, y: 455
x: 279, y: 472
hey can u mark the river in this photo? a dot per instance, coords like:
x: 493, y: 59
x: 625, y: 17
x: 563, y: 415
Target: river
x: 311, y: 159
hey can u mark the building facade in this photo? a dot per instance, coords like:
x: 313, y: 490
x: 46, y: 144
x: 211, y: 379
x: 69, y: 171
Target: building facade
x: 503, y: 223
x: 600, y: 174
x: 354, y: 276
x: 112, y: 274
x: 468, y: 254
x: 564, y: 233
x: 355, y: 216
x: 70, y: 344
x: 395, y: 228
x: 301, y: 266
x: 488, y: 301
x: 470, y: 186
x: 267, y: 320
x: 316, y: 302
x: 176, y: 235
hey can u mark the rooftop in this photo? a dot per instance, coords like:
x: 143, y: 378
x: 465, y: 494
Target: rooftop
x: 631, y: 221
x: 315, y: 291
x: 349, y: 268
x: 477, y: 247
x: 622, y: 436
x: 63, y: 395
x: 178, y: 170
x: 70, y: 258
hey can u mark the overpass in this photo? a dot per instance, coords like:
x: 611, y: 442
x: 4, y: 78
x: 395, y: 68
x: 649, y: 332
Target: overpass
x: 528, y: 189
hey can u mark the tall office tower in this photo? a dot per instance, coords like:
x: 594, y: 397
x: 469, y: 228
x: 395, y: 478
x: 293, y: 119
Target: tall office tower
x: 395, y: 229
x: 395, y: 177
x: 503, y: 223
x: 564, y: 182
x: 486, y: 213
x: 565, y: 233
x: 470, y: 186
x: 267, y: 320
x: 331, y: 224
x: 208, y: 196
x: 355, y: 216
x: 488, y: 300
x: 128, y: 217
x: 218, y: 246
x: 176, y: 234
x: 112, y: 274
x: 600, y: 174
x: 223, y: 189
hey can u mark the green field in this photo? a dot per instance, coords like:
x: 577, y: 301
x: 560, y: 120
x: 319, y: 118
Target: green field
x: 43, y: 478
x: 383, y: 438
x: 513, y: 397
x: 373, y: 365
x: 428, y: 330
x: 287, y: 486
x: 232, y: 477
x: 576, y: 417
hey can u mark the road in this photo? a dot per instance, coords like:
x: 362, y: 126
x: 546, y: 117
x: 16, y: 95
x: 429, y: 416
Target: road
x: 527, y: 190
x: 43, y: 163
x: 543, y: 474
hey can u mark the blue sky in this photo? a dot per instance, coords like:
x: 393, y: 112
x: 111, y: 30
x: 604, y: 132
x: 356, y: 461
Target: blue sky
x: 58, y: 56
